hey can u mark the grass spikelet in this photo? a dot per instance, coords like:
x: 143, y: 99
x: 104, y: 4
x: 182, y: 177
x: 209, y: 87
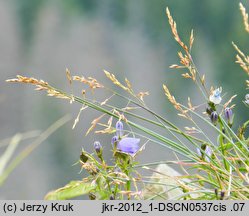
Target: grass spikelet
x: 116, y: 82
x: 190, y: 104
x: 171, y: 98
x: 176, y: 66
x: 192, y: 130
x: 245, y: 16
x: 241, y: 59
x: 94, y: 123
x: 106, y: 100
x: 128, y: 83
x: 120, y: 116
x: 184, y: 60
x: 29, y: 80
x: 78, y: 116
x: 174, y: 30
x: 69, y: 77
x: 229, y: 101
x: 238, y: 50
x: 54, y: 93
x: 142, y: 94
x: 191, y: 39
x: 187, y: 76
x: 91, y: 82
x: 41, y: 85
x: 203, y: 80
x: 108, y: 127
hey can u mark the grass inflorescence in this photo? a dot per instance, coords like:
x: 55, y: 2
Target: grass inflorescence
x: 213, y: 170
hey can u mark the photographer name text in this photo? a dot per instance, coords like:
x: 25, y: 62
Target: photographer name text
x: 39, y: 208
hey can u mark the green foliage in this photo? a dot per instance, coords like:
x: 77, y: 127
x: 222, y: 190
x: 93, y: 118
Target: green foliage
x: 71, y: 190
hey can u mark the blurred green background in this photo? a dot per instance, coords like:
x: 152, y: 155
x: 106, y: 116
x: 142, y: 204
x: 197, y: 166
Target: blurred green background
x: 130, y: 38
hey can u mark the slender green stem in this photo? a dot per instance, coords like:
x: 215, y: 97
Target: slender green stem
x: 169, y: 143
x: 231, y: 141
x: 199, y: 77
x: 157, y: 116
x: 235, y: 136
x: 222, y: 146
x: 164, y: 162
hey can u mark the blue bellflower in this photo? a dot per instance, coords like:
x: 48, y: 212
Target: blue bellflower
x: 127, y: 145
x: 215, y: 97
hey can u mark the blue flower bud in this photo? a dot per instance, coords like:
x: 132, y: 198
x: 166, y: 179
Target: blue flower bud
x: 214, y: 117
x: 228, y: 115
x: 97, y: 146
x: 222, y: 195
x: 112, y: 197
x: 119, y: 129
x: 114, y: 140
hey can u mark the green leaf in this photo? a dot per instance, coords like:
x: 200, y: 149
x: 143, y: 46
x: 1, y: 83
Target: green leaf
x: 71, y: 190
x: 226, y: 146
x: 4, y: 159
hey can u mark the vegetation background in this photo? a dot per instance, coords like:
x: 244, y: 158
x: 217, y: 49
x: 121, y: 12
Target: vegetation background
x: 132, y: 39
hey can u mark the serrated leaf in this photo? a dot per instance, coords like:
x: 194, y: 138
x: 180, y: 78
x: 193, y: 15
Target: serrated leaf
x: 71, y: 190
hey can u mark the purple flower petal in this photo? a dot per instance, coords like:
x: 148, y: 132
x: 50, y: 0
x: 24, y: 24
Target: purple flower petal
x: 198, y: 152
x: 128, y: 145
x: 215, y: 96
x: 209, y: 153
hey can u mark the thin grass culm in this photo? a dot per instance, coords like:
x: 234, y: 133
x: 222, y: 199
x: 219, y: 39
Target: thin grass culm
x: 212, y: 168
